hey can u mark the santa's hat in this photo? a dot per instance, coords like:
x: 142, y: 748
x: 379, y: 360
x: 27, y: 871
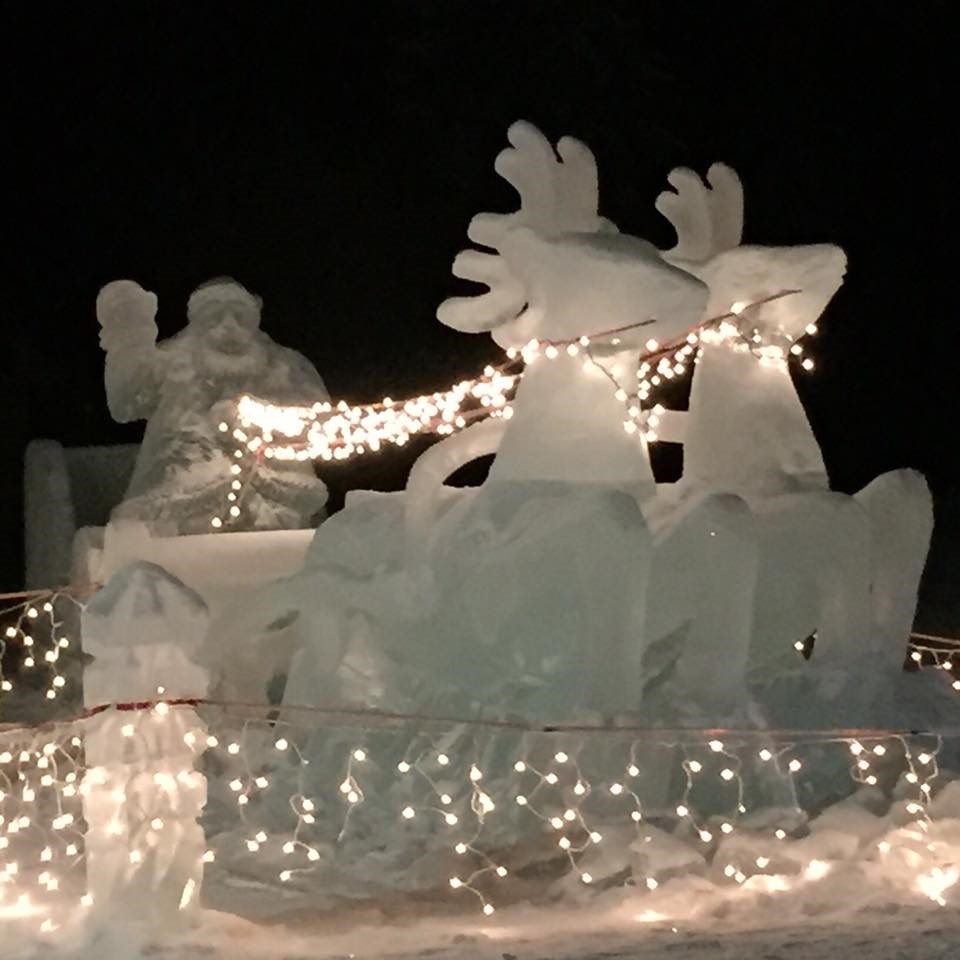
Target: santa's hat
x: 221, y: 290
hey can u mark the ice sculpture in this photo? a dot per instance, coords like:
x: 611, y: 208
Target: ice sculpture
x: 560, y: 272
x: 552, y: 280
x: 566, y: 482
x: 569, y: 583
x: 182, y: 476
x: 757, y: 442
x: 142, y: 797
x: 844, y: 568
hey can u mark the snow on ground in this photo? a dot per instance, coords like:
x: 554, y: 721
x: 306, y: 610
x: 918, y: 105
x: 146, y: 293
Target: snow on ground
x: 889, y: 934
x: 842, y: 910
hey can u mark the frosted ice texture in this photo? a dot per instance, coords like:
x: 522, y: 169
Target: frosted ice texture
x: 559, y: 271
x: 569, y: 585
x: 183, y: 386
x: 145, y: 631
x: 843, y: 568
x: 758, y: 438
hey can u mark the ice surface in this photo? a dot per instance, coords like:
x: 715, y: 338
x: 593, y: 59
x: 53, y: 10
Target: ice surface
x: 901, y: 526
x: 747, y: 432
x: 182, y: 475
x: 568, y: 588
x: 560, y: 272
x: 145, y: 631
x: 221, y: 569
x: 569, y: 584
x: 846, y: 569
x: 208, y: 562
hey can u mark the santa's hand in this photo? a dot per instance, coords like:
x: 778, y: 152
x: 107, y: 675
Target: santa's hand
x: 224, y: 411
x: 126, y: 315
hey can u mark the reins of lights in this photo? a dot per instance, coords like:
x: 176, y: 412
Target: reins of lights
x: 336, y: 432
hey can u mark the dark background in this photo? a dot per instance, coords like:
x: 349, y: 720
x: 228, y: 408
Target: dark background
x: 331, y: 163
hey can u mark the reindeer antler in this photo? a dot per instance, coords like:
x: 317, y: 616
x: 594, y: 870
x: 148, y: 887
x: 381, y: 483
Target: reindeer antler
x: 708, y: 220
x: 558, y: 194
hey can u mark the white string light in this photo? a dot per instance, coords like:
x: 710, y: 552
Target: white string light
x: 43, y: 625
x: 43, y: 779
x: 336, y: 432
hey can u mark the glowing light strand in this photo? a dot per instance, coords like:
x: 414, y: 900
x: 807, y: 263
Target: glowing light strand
x: 43, y: 625
x: 43, y: 779
x: 333, y: 432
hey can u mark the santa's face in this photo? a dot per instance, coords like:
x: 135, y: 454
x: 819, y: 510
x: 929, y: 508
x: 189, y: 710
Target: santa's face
x: 227, y: 327
x: 226, y: 333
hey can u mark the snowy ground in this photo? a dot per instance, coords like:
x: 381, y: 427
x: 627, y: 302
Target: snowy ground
x: 893, y: 934
x: 854, y: 911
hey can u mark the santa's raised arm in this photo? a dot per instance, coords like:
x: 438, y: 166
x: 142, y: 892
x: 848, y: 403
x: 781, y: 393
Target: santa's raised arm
x: 135, y: 367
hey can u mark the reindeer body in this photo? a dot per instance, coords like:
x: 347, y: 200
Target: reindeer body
x: 568, y: 427
x: 824, y: 555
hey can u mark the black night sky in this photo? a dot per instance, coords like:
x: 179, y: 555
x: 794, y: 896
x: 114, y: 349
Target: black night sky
x: 331, y: 162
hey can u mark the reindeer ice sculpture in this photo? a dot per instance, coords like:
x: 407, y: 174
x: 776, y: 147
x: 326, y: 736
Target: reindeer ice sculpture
x: 567, y: 480
x: 844, y: 567
x: 758, y: 443
x: 752, y: 549
x: 559, y: 272
x: 542, y: 590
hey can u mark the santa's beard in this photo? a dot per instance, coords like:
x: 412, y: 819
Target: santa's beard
x: 212, y: 362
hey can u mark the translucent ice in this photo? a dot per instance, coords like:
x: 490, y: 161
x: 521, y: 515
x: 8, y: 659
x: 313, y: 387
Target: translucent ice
x: 845, y: 570
x: 569, y: 584
x: 142, y: 798
x: 559, y: 273
x: 182, y: 476
x: 747, y: 432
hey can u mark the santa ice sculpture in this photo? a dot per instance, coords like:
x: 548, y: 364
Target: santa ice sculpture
x: 184, y: 471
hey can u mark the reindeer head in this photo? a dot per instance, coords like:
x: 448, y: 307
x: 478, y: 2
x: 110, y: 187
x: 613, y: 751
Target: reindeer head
x: 560, y: 270
x: 708, y: 219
